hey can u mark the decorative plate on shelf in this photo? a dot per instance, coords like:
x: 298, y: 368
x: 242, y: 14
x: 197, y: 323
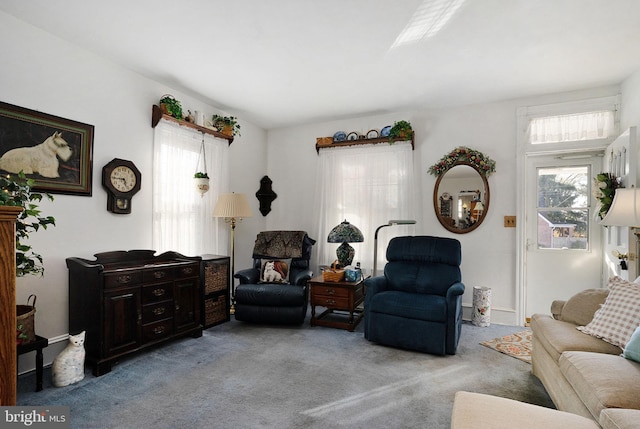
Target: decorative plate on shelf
x: 340, y: 136
x: 352, y: 136
x: 372, y: 134
x: 385, y: 131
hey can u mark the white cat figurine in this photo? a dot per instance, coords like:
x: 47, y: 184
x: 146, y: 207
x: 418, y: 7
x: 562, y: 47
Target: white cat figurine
x: 68, y: 366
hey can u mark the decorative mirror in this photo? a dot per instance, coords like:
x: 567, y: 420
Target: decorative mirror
x: 461, y: 193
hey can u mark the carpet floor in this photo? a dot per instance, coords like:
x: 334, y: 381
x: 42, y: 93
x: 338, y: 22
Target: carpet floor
x: 249, y: 376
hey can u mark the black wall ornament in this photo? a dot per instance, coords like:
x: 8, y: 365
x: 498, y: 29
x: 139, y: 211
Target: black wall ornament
x: 265, y: 195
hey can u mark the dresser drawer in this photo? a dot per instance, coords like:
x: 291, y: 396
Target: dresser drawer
x: 157, y: 330
x: 155, y: 312
x: 330, y: 291
x: 156, y: 293
x: 330, y: 301
x: 122, y: 279
x: 158, y: 275
x: 190, y: 270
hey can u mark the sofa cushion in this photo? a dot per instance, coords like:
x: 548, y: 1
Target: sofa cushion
x: 632, y: 349
x: 557, y: 337
x: 581, y: 307
x: 619, y: 316
x: 602, y: 380
x: 614, y: 418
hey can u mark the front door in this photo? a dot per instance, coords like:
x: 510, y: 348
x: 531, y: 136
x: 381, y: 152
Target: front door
x: 563, y: 241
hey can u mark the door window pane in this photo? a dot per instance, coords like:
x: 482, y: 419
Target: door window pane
x: 563, y: 208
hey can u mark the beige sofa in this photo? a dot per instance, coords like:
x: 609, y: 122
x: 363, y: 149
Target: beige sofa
x: 584, y: 375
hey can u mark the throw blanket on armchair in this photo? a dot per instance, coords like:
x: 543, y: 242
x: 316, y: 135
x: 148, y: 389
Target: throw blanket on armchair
x: 279, y: 244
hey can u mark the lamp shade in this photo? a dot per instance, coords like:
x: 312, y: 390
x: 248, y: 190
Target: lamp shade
x: 232, y: 206
x: 345, y: 233
x: 625, y: 209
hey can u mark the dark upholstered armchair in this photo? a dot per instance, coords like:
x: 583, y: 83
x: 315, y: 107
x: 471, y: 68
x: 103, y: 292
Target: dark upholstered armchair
x: 258, y: 297
x: 417, y: 305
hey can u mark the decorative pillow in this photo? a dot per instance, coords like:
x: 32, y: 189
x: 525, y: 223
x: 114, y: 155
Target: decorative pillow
x: 632, y: 349
x: 619, y: 316
x: 274, y: 271
x: 581, y: 307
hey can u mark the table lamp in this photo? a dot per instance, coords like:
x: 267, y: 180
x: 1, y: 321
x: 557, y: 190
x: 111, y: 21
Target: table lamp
x: 345, y: 233
x: 625, y: 209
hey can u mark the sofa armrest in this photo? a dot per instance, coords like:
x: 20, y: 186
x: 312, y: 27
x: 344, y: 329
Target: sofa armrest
x: 556, y: 308
x: 372, y: 286
x: 248, y: 276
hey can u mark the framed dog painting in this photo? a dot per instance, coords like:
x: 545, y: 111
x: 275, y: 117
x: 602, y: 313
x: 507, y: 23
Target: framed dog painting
x: 56, y: 152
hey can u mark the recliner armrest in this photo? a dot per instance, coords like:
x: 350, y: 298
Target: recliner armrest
x: 372, y: 286
x: 248, y: 276
x: 455, y: 290
x: 301, y: 277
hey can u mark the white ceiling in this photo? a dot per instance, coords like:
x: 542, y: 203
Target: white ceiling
x: 286, y: 62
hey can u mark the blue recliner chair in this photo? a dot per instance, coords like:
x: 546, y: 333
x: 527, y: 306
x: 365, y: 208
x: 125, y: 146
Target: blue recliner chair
x: 417, y: 304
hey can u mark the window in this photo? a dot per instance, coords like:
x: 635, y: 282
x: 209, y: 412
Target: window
x: 183, y: 219
x: 573, y: 127
x: 368, y: 186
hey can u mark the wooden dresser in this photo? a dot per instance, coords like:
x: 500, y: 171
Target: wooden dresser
x: 129, y: 300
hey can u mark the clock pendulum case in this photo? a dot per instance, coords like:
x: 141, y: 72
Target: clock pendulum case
x: 121, y: 179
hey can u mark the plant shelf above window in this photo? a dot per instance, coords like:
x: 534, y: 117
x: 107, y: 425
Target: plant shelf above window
x: 325, y: 142
x: 156, y: 115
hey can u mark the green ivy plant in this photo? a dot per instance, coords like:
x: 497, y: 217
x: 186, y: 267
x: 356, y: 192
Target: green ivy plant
x: 221, y: 122
x: 400, y: 131
x: 17, y: 191
x: 173, y: 106
x: 200, y: 175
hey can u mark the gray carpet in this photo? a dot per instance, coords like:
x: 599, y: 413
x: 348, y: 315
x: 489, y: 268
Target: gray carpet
x: 246, y: 376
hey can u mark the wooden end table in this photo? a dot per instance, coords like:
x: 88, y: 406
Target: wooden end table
x: 338, y: 298
x: 37, y: 345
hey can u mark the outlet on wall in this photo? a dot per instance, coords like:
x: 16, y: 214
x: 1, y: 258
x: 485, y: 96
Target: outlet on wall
x: 509, y: 221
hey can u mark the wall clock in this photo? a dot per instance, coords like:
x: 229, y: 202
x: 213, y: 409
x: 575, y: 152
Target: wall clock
x: 121, y: 179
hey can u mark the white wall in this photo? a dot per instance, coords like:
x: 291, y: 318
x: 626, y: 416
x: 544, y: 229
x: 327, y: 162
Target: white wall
x: 630, y: 102
x: 44, y: 73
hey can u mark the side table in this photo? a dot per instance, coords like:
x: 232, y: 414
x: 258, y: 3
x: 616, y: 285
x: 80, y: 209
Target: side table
x: 336, y: 297
x: 37, y: 345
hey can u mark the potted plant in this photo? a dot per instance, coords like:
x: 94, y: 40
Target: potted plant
x: 226, y: 124
x: 202, y: 182
x: 171, y: 106
x: 400, y: 131
x: 17, y: 191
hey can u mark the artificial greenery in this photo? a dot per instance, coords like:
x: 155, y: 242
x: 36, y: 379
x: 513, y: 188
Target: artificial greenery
x: 221, y: 122
x: 477, y: 159
x: 604, y: 190
x: 173, y: 106
x: 17, y: 191
x: 200, y: 175
x: 401, y: 130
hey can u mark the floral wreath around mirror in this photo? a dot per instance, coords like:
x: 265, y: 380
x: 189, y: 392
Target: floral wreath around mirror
x: 482, y: 163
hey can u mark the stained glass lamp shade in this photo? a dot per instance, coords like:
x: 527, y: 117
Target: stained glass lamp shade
x: 345, y: 233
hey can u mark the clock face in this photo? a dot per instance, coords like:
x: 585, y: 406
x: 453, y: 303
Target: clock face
x: 123, y: 178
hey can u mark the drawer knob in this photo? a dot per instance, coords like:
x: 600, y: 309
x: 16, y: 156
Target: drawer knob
x: 188, y: 270
x: 158, y: 292
x: 330, y: 301
x: 330, y: 291
x: 159, y: 330
x: 158, y: 311
x: 124, y: 279
x: 159, y: 274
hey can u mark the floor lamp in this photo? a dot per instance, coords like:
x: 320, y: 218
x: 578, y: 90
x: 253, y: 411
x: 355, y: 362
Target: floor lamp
x: 233, y: 208
x: 375, y: 240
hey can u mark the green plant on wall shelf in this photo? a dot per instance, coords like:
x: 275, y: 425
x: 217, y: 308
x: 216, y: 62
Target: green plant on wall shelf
x: 226, y: 124
x: 17, y: 191
x: 171, y: 106
x: 400, y: 131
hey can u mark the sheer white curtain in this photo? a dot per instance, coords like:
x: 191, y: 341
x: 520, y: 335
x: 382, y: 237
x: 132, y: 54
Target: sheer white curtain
x: 573, y: 127
x: 367, y: 185
x: 183, y: 220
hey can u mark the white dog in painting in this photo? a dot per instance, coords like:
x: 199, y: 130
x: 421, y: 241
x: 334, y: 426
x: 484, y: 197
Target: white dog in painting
x: 42, y: 159
x: 270, y: 273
